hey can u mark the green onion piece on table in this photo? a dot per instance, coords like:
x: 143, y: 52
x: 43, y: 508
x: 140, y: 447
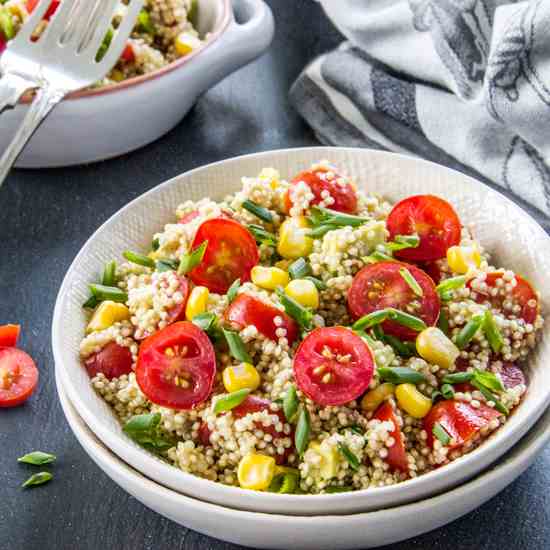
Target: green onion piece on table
x: 38, y: 479
x: 37, y: 458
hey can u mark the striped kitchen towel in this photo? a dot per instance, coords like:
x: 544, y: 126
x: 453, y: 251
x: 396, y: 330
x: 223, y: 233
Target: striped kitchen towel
x: 465, y: 83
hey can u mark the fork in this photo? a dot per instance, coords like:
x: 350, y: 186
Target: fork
x: 61, y: 61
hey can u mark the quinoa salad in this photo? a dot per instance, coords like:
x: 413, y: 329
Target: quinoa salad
x: 164, y: 32
x: 309, y: 337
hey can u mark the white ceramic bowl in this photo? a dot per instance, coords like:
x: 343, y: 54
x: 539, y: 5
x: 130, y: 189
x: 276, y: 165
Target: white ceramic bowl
x: 365, y: 530
x: 515, y: 239
x: 106, y: 122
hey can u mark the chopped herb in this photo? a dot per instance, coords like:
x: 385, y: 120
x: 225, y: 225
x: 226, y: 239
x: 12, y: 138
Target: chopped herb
x: 488, y: 379
x: 450, y: 284
x: 317, y: 282
x: 232, y: 291
x: 469, y: 331
x: 107, y: 39
x: 436, y: 394
x: 324, y: 220
x: 377, y: 256
x: 155, y: 245
x: 37, y: 458
x: 371, y: 320
x: 367, y: 337
x: 299, y: 269
x: 458, y: 377
x: 109, y: 274
x: 290, y: 403
x: 262, y: 236
x: 411, y: 281
x: 205, y: 320
x: 113, y: 293
x: 338, y: 489
x: 144, y: 429
x: 349, y: 456
x: 405, y: 349
x: 446, y: 296
x: 441, y: 433
x: 492, y: 332
x: 377, y: 317
x: 259, y: 211
x: 38, y: 479
x: 284, y: 483
x: 145, y: 23
x: 400, y: 242
x: 139, y: 259
x: 303, y: 429
x: 237, y: 348
x: 400, y: 375
x: 91, y: 302
x: 443, y: 322
x: 303, y: 316
x: 189, y: 261
x: 165, y: 264
x: 230, y: 400
x: 378, y: 332
x: 447, y: 391
x: 500, y: 407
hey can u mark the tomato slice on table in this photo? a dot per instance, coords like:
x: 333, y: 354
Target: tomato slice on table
x: 344, y: 195
x: 18, y: 377
x: 381, y: 285
x: 433, y: 219
x: 231, y: 254
x: 176, y: 366
x: 523, y: 295
x: 397, y: 456
x: 54, y: 4
x: 459, y: 419
x: 246, y: 310
x: 333, y: 366
x: 9, y: 335
x: 113, y: 361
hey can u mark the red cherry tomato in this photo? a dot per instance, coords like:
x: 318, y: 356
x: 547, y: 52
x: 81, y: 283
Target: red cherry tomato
x: 333, y: 366
x: 54, y: 4
x: 246, y: 310
x: 344, y: 195
x: 177, y: 312
x: 432, y: 219
x: 204, y: 434
x: 18, y: 377
x: 381, y: 285
x: 9, y: 335
x: 128, y: 53
x: 511, y: 375
x: 432, y: 269
x: 397, y: 457
x: 231, y: 254
x: 113, y: 361
x: 459, y: 419
x: 176, y: 366
x: 188, y: 217
x: 3, y: 44
x: 522, y: 294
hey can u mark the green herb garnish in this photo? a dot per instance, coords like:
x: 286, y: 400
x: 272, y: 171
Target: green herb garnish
x: 500, y: 407
x: 37, y: 458
x: 145, y: 23
x: 447, y: 391
x: 443, y: 322
x: 488, y: 379
x: 232, y: 291
x: 144, y: 429
x: 155, y: 245
x: 405, y: 349
x: 109, y: 274
x: 299, y: 269
x: 469, y: 330
x: 317, y: 282
x: 193, y: 259
x: 259, y: 211
x: 441, y: 433
x: 411, y: 281
x: 38, y: 479
x: 113, y: 293
x: 262, y: 236
x: 458, y: 377
x: 237, y: 348
x: 303, y: 316
x: 349, y: 456
x: 377, y: 256
x: 392, y: 314
x: 303, y: 429
x: 290, y: 403
x: 230, y: 400
x: 450, y: 284
x: 400, y: 242
x: 400, y: 375
x: 139, y: 259
x: 492, y: 332
x: 165, y: 264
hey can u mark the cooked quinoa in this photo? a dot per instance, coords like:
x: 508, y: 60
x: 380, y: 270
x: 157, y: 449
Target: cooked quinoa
x: 165, y: 31
x: 294, y: 338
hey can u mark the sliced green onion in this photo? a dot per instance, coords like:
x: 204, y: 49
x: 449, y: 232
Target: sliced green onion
x: 107, y: 39
x: 367, y: 337
x: 204, y: 320
x: 38, y: 479
x: 259, y: 211
x: 230, y: 400
x: 320, y: 231
x: 469, y: 331
x: 237, y: 348
x: 488, y: 379
x: 378, y: 332
x: 303, y: 429
x: 451, y: 284
x: 232, y: 290
x: 262, y: 236
x: 320, y: 285
x: 290, y: 403
x: 458, y: 377
x: 91, y: 302
x: 411, y: 281
x: 400, y: 242
x: 298, y: 312
x: 352, y: 460
x: 377, y: 256
x: 441, y: 433
x: 145, y: 23
x: 155, y: 245
x: 285, y: 483
x: 446, y: 296
x: 447, y: 391
x: 402, y: 348
x: 443, y: 322
x: 491, y: 397
x: 139, y: 259
x: 436, y: 394
x: 189, y: 261
x: 165, y: 264
x: 37, y: 458
x: 6, y: 24
x: 113, y: 293
x: 492, y: 332
x: 407, y: 320
x: 371, y: 319
x: 400, y: 375
x: 299, y: 269
x: 109, y: 274
x: 144, y: 429
x: 338, y: 489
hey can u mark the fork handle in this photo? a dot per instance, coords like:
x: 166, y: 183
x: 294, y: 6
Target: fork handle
x: 46, y: 99
x: 12, y: 87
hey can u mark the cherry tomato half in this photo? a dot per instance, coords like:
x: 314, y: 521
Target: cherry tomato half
x: 176, y: 366
x: 18, y: 377
x: 333, y: 366
x: 177, y: 312
x: 432, y: 219
x: 231, y: 254
x: 128, y: 53
x: 381, y: 285
x: 113, y: 361
x: 432, y: 269
x: 459, y: 419
x: 246, y: 310
x: 54, y: 4
x: 3, y: 43
x: 511, y: 375
x: 397, y: 457
x: 9, y: 335
x: 344, y: 195
x: 523, y: 295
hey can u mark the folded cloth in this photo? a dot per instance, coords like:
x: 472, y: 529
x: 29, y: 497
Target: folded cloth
x: 465, y: 83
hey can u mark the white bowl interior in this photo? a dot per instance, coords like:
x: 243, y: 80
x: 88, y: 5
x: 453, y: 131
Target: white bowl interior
x: 513, y: 237
x: 210, y: 16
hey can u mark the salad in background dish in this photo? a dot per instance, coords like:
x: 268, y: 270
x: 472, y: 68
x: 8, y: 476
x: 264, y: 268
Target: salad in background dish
x: 165, y: 31
x: 306, y: 336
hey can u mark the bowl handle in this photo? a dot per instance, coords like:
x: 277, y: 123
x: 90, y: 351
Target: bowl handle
x: 248, y: 35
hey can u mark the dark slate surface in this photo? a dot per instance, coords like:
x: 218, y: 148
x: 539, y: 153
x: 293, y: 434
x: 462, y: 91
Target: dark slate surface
x: 46, y: 216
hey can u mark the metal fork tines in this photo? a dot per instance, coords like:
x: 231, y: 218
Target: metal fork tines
x: 62, y: 60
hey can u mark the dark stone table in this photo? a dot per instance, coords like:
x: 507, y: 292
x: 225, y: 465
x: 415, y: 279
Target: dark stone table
x: 46, y: 216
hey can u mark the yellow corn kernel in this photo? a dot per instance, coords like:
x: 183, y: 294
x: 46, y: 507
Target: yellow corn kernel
x: 271, y: 175
x: 256, y: 471
x: 107, y: 314
x: 185, y: 43
x: 433, y: 346
x: 412, y: 401
x: 293, y: 242
x: 240, y: 377
x: 269, y: 277
x: 462, y: 259
x: 372, y: 399
x: 328, y: 468
x: 198, y: 299
x: 304, y: 292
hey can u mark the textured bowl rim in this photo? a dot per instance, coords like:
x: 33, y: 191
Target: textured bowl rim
x: 469, y: 462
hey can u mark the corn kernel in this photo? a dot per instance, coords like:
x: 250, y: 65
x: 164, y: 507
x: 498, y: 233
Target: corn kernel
x: 185, y: 43
x: 269, y: 277
x: 197, y: 302
x: 304, y: 292
x: 372, y: 399
x: 293, y: 242
x: 256, y: 471
x: 433, y: 346
x: 462, y: 259
x: 412, y: 401
x: 240, y: 377
x: 107, y: 314
x: 328, y: 468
